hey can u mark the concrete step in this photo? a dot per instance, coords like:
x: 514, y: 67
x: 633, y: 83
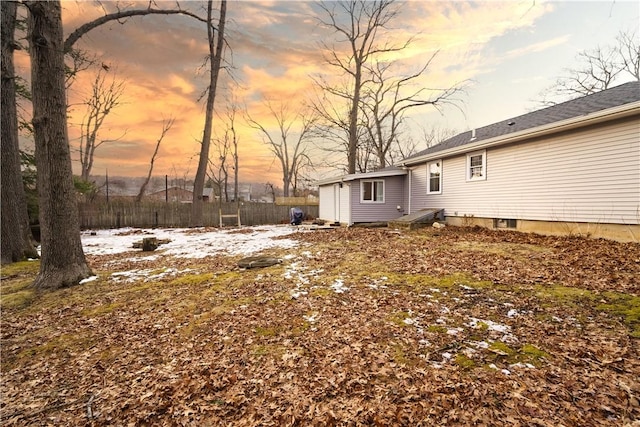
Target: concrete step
x: 418, y: 219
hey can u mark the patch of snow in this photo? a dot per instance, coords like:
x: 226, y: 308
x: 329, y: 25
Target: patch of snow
x: 295, y: 294
x: 146, y: 274
x: 339, y: 287
x: 89, y: 279
x: 311, y: 318
x: 522, y: 365
x: 454, y: 331
x: 478, y: 344
x: 376, y: 283
x: 512, y: 313
x: 491, y: 326
x: 424, y: 343
x: 469, y: 352
x: 189, y: 242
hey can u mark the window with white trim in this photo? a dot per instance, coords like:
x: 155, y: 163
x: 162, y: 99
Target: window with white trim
x: 477, y: 166
x: 434, y: 177
x: 372, y: 191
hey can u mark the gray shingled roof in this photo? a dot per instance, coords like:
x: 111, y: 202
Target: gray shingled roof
x: 614, y: 97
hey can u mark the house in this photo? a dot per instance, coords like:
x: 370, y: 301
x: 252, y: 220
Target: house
x: 572, y: 168
x: 182, y: 195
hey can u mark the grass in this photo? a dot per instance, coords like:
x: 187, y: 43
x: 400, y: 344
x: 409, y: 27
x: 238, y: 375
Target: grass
x: 624, y: 306
x: 15, y: 287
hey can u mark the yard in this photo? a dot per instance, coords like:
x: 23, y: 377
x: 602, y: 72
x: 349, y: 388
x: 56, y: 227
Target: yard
x: 455, y: 326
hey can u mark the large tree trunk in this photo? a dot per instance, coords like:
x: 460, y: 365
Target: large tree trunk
x: 216, y: 58
x: 353, y: 119
x: 16, y: 236
x: 63, y: 262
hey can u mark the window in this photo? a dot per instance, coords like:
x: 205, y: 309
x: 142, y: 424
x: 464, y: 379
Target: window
x: 477, y: 166
x: 434, y: 170
x: 372, y: 191
x: 505, y: 223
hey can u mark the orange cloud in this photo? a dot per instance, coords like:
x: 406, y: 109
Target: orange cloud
x: 275, y: 46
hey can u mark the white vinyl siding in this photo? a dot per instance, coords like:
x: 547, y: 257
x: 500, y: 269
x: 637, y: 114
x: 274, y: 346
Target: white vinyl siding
x: 394, y: 194
x: 372, y: 191
x: 589, y: 175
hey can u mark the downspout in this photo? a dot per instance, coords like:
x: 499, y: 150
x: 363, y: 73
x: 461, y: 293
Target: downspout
x: 409, y: 195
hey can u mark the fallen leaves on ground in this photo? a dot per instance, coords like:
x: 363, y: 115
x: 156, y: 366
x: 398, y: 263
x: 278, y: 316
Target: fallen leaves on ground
x: 356, y: 327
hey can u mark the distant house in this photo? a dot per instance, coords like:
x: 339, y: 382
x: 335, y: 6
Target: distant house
x: 570, y: 168
x: 182, y: 195
x: 244, y: 192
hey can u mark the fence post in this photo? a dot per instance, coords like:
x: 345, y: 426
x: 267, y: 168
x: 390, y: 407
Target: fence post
x: 117, y: 219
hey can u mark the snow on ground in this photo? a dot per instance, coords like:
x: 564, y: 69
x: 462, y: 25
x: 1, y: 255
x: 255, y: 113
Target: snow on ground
x: 191, y: 242
x: 200, y: 242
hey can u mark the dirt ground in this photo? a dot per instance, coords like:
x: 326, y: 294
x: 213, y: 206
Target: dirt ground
x: 355, y: 327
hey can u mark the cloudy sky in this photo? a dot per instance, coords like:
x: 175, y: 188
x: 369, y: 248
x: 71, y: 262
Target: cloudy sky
x: 506, y: 51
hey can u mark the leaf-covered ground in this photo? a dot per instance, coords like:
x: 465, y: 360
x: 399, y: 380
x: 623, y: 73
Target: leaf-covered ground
x: 355, y: 327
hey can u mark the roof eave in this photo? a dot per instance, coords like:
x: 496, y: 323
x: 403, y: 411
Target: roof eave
x: 602, y: 116
x: 364, y: 175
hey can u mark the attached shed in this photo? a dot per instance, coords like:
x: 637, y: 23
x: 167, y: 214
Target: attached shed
x: 364, y: 197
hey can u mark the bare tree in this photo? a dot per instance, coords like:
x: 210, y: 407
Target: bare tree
x: 628, y: 47
x: 16, y: 236
x: 63, y: 262
x: 386, y: 99
x: 218, y: 169
x: 216, y: 50
x: 121, y: 16
x: 234, y: 141
x: 359, y: 25
x: 271, y: 191
x: 226, y: 146
x: 105, y: 96
x: 598, y: 69
x: 77, y: 61
x: 166, y: 125
x: 333, y: 130
x: 288, y: 144
x: 435, y: 135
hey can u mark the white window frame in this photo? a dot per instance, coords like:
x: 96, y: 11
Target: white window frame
x: 439, y: 164
x: 373, y: 187
x: 483, y: 167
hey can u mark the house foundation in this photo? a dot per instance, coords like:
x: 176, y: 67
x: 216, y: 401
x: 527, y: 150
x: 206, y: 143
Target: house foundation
x: 617, y: 232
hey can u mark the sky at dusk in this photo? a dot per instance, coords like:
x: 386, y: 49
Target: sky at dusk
x: 507, y: 51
